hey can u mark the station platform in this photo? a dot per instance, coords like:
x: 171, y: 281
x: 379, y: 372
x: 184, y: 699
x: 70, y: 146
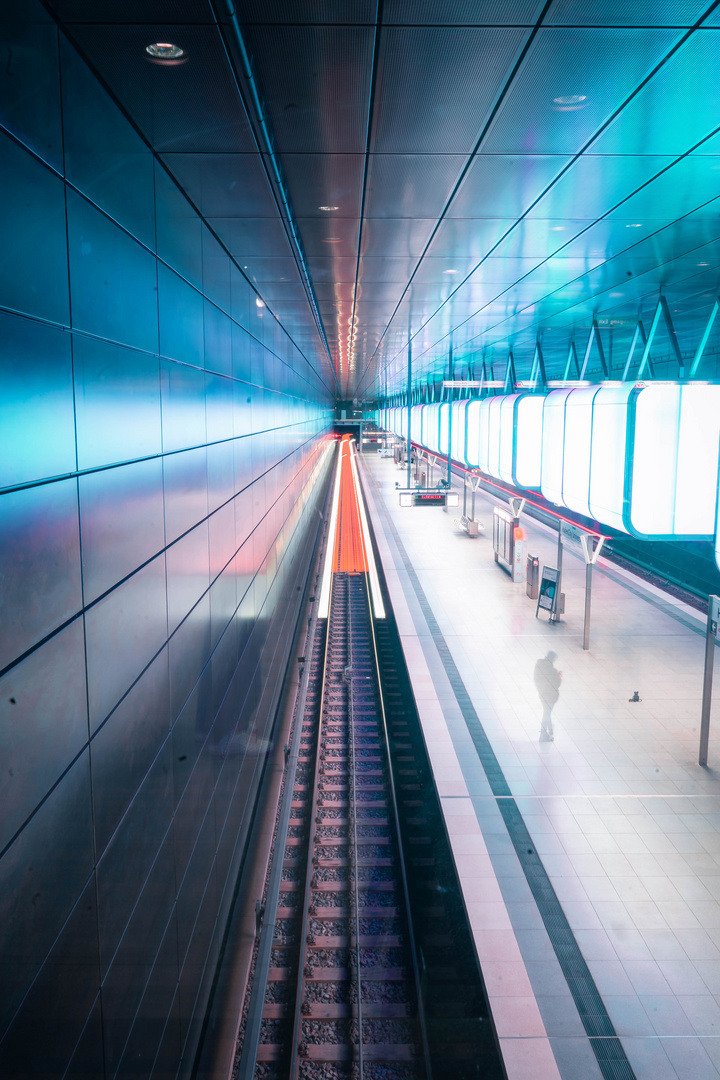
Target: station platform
x: 590, y: 865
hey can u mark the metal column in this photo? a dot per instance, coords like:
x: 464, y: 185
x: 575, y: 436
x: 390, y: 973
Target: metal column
x: 710, y: 635
x: 409, y: 410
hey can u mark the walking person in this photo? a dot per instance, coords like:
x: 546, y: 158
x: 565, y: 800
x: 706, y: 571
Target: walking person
x: 547, y: 682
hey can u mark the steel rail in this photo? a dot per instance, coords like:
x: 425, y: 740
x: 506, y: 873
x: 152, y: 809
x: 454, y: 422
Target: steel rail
x: 352, y: 806
x: 422, y: 1023
x: 305, y: 915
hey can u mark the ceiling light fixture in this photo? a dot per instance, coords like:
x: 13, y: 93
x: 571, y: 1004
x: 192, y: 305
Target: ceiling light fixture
x: 635, y: 225
x: 259, y: 302
x: 570, y: 103
x: 557, y: 228
x: 449, y: 271
x: 328, y: 207
x: 703, y: 264
x: 164, y: 50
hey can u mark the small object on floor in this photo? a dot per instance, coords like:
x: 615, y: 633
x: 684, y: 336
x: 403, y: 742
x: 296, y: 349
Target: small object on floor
x: 635, y: 697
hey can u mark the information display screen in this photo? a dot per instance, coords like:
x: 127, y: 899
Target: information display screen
x: 547, y: 595
x: 429, y: 498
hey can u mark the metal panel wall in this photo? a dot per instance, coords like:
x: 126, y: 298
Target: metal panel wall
x: 162, y: 447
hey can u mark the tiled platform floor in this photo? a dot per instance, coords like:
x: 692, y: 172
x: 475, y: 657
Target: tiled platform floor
x: 626, y: 822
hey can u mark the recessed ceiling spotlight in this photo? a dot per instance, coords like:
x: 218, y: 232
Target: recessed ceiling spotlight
x: 634, y: 225
x: 570, y: 103
x: 259, y: 302
x: 557, y: 228
x: 703, y: 264
x: 164, y: 50
x: 449, y: 271
x: 328, y: 207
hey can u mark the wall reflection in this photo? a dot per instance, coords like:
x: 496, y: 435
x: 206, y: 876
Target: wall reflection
x: 159, y: 471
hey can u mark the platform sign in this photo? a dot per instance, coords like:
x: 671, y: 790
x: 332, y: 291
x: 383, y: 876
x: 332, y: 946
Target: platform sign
x: 570, y: 536
x: 714, y: 614
x: 429, y: 497
x: 548, y: 591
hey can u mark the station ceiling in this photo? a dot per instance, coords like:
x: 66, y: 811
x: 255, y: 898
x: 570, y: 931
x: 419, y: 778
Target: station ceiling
x: 473, y: 176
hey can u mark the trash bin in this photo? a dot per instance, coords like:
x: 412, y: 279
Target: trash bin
x: 532, y: 576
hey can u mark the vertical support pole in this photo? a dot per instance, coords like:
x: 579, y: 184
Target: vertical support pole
x: 409, y: 412
x: 555, y: 616
x: 450, y: 405
x: 588, y: 599
x: 473, y: 504
x: 645, y: 359
x: 713, y: 604
x: 465, y: 496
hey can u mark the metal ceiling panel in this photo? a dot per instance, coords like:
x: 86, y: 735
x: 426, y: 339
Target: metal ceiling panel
x: 306, y: 11
x: 458, y: 236
x: 625, y: 12
x: 252, y: 237
x: 440, y: 270
x: 594, y: 185
x: 192, y: 106
x: 571, y: 82
x: 133, y: 11
x: 317, y: 180
x: 462, y: 12
x: 327, y: 291
x: 224, y: 185
x: 441, y: 67
x: 315, y: 82
x: 504, y: 186
x: 396, y: 236
x: 436, y: 86
x: 333, y: 270
x: 677, y: 108
x: 278, y: 294
x: 329, y: 236
x: 410, y: 185
x: 386, y: 269
x: 692, y: 184
x: 260, y: 269
x: 376, y: 290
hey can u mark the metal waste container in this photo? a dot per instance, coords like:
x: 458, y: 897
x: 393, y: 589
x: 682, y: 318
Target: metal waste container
x: 532, y: 576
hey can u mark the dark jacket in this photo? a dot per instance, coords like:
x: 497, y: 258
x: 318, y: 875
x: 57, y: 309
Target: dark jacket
x: 547, y: 681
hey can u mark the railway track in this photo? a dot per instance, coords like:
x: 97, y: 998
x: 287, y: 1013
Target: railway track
x: 365, y: 966
x: 343, y: 984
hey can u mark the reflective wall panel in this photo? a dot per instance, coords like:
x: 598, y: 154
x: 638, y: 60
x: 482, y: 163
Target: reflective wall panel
x: 163, y: 449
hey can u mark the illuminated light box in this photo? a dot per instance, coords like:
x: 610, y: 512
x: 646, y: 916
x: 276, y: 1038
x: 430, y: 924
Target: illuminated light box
x: 472, y: 434
x: 443, y: 426
x: 608, y: 452
x: 576, y: 450
x: 506, y: 438
x: 493, y: 436
x: 429, y: 426
x: 553, y: 441
x: 528, y: 440
x: 514, y: 434
x: 459, y: 429
x: 483, y: 445
x: 673, y: 467
x: 416, y: 414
